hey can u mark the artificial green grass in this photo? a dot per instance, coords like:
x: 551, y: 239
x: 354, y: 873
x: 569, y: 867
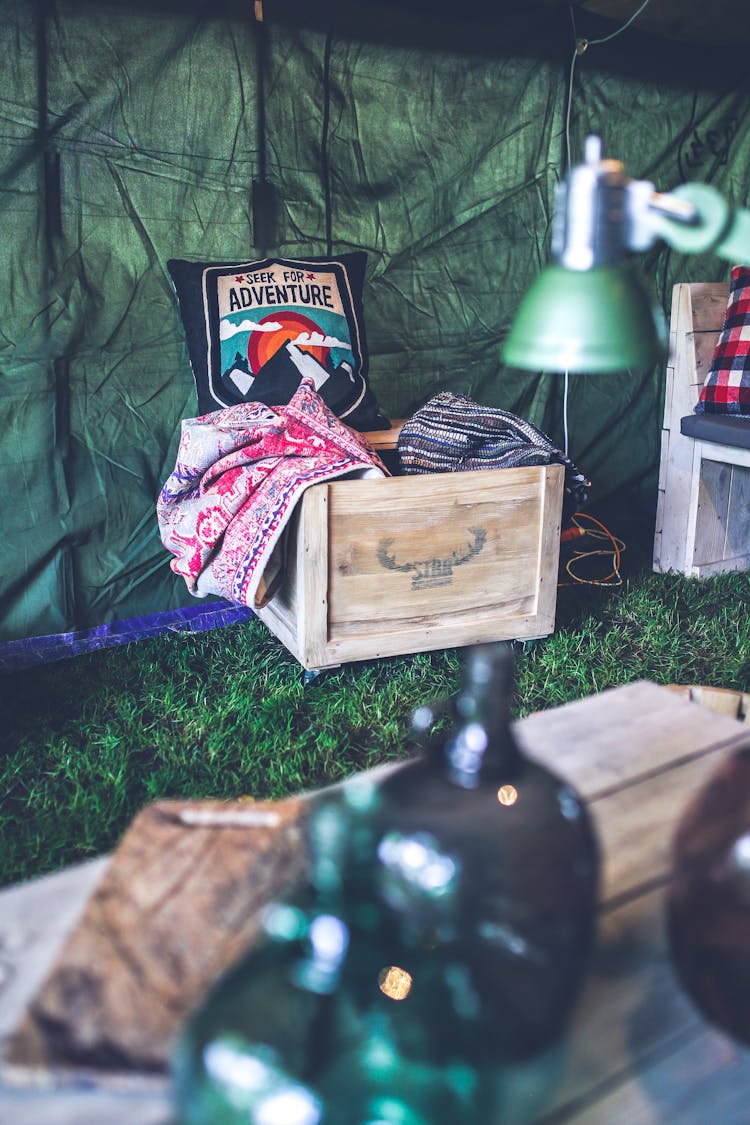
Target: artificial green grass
x: 90, y: 740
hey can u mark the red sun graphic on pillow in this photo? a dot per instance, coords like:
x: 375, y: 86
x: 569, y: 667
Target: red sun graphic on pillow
x: 264, y: 342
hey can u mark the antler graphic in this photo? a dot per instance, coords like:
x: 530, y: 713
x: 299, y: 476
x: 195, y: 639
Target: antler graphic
x: 434, y: 571
x: 389, y: 561
x: 480, y: 538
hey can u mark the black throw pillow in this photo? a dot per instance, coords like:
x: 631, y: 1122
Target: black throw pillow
x: 255, y: 328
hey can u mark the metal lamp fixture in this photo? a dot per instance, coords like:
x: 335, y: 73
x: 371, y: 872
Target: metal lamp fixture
x: 589, y: 311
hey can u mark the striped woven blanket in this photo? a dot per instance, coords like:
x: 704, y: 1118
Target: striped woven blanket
x: 451, y: 432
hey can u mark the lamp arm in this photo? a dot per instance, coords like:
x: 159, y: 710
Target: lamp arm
x: 600, y: 215
x: 714, y: 225
x: 587, y: 312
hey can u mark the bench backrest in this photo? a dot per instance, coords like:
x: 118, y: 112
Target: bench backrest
x: 703, y: 503
x: 697, y: 315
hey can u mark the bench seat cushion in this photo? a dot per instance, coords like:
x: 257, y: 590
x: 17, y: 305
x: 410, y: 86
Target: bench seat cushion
x: 722, y: 428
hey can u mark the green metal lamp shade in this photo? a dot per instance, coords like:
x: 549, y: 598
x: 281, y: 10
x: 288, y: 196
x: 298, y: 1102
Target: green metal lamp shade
x: 597, y: 320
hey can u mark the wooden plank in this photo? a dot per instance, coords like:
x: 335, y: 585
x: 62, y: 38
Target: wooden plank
x: 705, y: 346
x: 735, y: 704
x: 676, y: 459
x: 312, y: 576
x: 636, y: 824
x: 432, y: 554
x: 726, y: 470
x: 298, y: 613
x: 738, y: 516
x: 176, y: 905
x: 703, y: 1081
x: 696, y: 325
x: 384, y: 440
x: 409, y: 493
x: 404, y: 614
x: 712, y: 512
x: 633, y: 1012
x: 727, y: 454
x: 611, y: 739
x: 724, y: 566
x: 722, y: 537
x: 641, y: 771
x: 36, y: 917
x: 87, y: 1106
x: 664, y: 461
x: 443, y: 559
x: 506, y: 623
x: 709, y: 301
x: 691, y: 514
x: 448, y: 531
x: 281, y: 613
x: 630, y: 1010
x: 692, y: 511
x: 696, y: 318
x: 548, y: 559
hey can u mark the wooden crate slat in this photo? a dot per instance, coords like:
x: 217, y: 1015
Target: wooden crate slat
x: 704, y: 1078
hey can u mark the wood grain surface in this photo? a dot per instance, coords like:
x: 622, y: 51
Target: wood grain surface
x: 178, y: 904
x: 393, y: 565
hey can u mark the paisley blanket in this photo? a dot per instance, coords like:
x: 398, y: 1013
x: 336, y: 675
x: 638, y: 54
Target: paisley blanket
x: 238, y: 475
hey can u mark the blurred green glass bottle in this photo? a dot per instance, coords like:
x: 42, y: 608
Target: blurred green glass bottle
x: 488, y: 862
x: 439, y: 946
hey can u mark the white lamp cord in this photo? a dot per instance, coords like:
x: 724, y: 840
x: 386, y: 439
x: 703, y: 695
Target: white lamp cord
x: 565, y: 413
x: 581, y: 46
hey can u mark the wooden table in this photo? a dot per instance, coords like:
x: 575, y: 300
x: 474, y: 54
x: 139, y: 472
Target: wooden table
x: 637, y: 1051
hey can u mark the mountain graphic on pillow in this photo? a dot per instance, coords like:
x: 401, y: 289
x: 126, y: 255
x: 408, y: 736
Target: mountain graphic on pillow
x: 281, y: 375
x: 239, y: 378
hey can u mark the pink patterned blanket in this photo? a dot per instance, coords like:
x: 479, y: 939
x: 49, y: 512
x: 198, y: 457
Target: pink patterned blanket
x: 238, y: 475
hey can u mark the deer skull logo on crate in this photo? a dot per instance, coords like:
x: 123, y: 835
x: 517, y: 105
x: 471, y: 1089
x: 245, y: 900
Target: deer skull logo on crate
x: 427, y: 573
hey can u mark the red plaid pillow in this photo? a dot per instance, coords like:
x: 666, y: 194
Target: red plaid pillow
x: 727, y: 386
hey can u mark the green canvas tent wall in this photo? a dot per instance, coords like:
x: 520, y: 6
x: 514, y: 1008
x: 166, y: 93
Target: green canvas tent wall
x: 429, y: 135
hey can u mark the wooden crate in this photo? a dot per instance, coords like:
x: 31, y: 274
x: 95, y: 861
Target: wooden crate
x: 725, y: 701
x: 394, y: 565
